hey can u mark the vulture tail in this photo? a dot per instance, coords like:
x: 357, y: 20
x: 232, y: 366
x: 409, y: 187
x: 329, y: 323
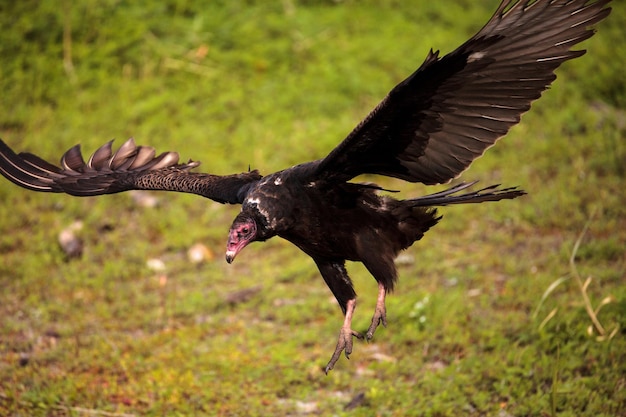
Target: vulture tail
x: 450, y: 196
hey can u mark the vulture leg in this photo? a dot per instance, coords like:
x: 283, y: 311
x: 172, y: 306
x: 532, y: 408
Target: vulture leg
x: 380, y: 314
x: 344, y: 344
x: 336, y: 277
x: 383, y: 270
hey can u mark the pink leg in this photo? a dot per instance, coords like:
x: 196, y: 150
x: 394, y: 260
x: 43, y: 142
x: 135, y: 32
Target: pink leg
x: 380, y: 314
x: 344, y: 344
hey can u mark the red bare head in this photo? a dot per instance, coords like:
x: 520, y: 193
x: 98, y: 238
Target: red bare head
x: 242, y: 232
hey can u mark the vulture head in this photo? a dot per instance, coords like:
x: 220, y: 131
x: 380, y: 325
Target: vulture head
x: 249, y: 226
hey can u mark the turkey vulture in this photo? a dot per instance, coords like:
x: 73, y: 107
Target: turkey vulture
x: 428, y: 129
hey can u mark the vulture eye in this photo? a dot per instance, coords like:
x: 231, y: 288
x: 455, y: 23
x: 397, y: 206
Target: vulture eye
x: 245, y: 230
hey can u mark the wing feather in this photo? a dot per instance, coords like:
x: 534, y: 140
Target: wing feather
x: 72, y: 161
x: 101, y: 157
x: 434, y: 124
x: 131, y: 167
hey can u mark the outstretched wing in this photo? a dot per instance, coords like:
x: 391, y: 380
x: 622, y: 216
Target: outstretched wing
x: 131, y: 167
x: 432, y: 125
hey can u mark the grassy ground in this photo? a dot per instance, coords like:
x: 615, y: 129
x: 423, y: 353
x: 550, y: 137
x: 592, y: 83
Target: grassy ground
x: 490, y: 317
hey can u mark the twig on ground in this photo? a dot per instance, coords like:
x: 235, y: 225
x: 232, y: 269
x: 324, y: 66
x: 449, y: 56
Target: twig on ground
x: 583, y: 286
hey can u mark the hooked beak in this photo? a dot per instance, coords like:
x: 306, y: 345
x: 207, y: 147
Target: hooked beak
x: 230, y: 256
x: 241, y: 233
x: 234, y: 246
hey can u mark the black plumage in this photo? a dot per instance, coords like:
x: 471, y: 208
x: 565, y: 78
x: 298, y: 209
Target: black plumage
x: 428, y: 129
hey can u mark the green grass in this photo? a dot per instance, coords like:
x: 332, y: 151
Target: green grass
x: 488, y: 318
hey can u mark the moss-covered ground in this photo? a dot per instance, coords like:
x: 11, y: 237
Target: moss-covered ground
x: 494, y: 313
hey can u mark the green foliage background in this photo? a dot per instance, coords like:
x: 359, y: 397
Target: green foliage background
x: 473, y: 328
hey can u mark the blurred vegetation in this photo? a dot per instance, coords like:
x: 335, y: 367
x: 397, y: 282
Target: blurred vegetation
x: 488, y: 318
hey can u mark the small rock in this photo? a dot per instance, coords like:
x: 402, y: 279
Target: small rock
x: 199, y: 253
x: 405, y: 259
x: 474, y: 292
x: 24, y: 359
x: 242, y: 296
x: 156, y: 264
x: 306, y: 407
x: 71, y: 244
x: 356, y: 401
x: 504, y: 413
x: 436, y: 365
x: 381, y: 357
x: 144, y: 199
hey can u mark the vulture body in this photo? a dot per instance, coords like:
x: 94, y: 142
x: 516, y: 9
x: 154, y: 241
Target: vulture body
x: 428, y: 129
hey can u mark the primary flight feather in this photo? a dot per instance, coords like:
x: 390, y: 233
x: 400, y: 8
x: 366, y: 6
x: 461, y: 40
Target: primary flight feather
x: 428, y: 129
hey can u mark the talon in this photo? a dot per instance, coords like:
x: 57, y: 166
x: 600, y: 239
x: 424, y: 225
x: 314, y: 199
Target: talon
x: 344, y: 344
x: 380, y: 313
x: 380, y: 317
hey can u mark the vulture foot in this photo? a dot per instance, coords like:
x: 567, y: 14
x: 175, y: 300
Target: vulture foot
x: 380, y: 314
x: 344, y: 344
x: 380, y: 317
